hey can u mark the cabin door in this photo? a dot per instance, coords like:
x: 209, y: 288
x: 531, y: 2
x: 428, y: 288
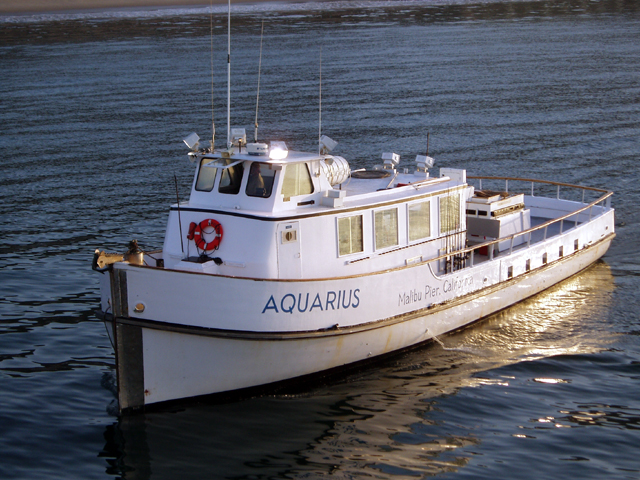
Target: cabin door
x: 289, y: 262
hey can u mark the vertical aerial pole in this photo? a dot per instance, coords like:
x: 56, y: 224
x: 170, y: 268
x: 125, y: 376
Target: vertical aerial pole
x: 255, y: 136
x: 213, y: 123
x: 320, y: 107
x: 175, y: 179
x: 229, y: 76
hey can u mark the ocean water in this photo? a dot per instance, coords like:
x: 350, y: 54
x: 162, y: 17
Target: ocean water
x: 93, y: 107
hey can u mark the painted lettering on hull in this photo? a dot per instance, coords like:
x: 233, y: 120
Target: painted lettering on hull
x: 456, y: 284
x: 430, y: 292
x: 413, y: 296
x: 308, y: 302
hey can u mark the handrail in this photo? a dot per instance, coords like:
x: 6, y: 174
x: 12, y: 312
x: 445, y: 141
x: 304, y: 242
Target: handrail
x: 545, y: 225
x: 535, y: 180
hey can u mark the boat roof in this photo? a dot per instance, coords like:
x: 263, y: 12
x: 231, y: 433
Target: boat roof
x: 292, y: 157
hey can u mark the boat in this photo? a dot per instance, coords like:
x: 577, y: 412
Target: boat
x: 283, y: 264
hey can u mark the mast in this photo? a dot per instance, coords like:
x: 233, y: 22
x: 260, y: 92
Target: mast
x: 255, y: 136
x: 320, y: 106
x: 213, y: 122
x: 229, y: 76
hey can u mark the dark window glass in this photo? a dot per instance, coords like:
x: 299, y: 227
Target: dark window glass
x: 231, y: 178
x: 260, y: 181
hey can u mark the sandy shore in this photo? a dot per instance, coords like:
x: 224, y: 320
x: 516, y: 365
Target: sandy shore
x: 31, y: 6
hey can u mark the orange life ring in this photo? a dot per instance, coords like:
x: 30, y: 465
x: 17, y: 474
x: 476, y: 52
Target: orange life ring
x: 196, y: 233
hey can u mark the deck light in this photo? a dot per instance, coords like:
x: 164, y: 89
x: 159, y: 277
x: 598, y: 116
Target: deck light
x: 238, y: 137
x: 278, y: 151
x: 423, y: 163
x: 326, y: 144
x: 192, y: 141
x: 390, y: 160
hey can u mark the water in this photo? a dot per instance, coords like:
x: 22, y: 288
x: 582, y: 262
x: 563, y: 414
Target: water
x: 93, y: 108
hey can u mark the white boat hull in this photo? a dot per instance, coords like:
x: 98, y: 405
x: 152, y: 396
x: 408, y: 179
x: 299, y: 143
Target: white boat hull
x: 164, y: 355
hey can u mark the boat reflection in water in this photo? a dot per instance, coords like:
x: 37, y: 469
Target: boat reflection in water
x: 400, y: 418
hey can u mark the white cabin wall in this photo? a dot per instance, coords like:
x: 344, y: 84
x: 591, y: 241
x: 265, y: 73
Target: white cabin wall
x: 172, y: 249
x: 256, y: 254
x: 247, y: 248
x: 319, y: 247
x: 320, y: 253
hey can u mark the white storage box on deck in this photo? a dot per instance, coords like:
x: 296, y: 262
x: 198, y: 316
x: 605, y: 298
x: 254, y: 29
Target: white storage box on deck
x: 492, y: 215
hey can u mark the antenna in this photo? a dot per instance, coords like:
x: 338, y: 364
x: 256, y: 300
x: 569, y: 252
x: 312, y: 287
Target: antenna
x: 229, y: 77
x: 320, y: 108
x: 175, y: 179
x: 255, y: 137
x: 213, y: 123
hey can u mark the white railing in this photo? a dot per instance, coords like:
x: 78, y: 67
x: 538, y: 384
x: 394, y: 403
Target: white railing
x: 602, y: 204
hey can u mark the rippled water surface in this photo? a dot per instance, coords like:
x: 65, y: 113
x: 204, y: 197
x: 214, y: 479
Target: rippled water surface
x: 92, y: 111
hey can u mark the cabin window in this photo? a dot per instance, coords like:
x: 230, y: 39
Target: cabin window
x: 386, y: 226
x: 527, y: 265
x: 297, y: 181
x: 419, y: 221
x: 575, y: 245
x: 260, y: 181
x: 449, y: 213
x: 350, y: 235
x: 231, y: 178
x: 206, y: 176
